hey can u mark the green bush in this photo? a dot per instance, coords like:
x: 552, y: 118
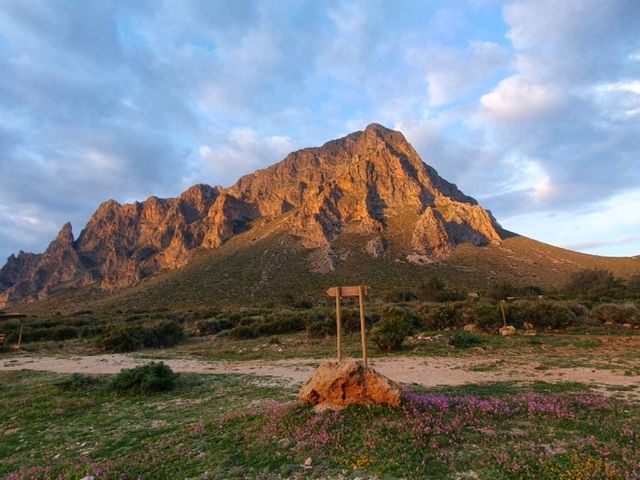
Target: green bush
x: 281, y: 323
x: 243, y: 332
x: 390, y: 332
x: 503, y: 289
x: 617, y: 313
x: 164, y: 334
x: 438, y: 317
x: 211, y: 326
x: 397, y: 296
x: 321, y: 328
x: 465, y: 340
x: 541, y: 314
x: 591, y: 281
x: 79, y: 381
x: 483, y: 314
x: 435, y: 290
x: 633, y: 284
x: 150, y: 378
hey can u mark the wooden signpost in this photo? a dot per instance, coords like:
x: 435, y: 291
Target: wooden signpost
x: 358, y: 291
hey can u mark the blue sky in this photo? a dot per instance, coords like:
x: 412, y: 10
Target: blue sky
x: 530, y: 106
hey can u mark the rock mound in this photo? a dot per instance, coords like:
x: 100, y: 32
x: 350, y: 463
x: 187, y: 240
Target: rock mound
x: 337, y: 384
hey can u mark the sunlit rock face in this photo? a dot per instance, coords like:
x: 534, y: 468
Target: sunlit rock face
x: 355, y: 183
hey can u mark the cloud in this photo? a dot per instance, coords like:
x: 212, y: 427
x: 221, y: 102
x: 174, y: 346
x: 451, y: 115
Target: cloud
x: 522, y: 106
x: 517, y: 99
x: 245, y: 150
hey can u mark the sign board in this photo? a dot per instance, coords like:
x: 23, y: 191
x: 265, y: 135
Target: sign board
x: 358, y: 291
x: 347, y: 291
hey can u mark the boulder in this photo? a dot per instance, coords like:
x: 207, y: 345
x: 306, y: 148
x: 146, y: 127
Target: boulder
x: 508, y: 330
x: 470, y: 327
x: 337, y: 384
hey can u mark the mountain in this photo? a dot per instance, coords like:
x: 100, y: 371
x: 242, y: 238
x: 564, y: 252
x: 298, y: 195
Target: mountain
x: 366, y: 198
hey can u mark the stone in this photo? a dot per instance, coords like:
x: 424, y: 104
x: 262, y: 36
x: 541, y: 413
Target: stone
x: 337, y: 384
x: 507, y: 331
x: 470, y: 327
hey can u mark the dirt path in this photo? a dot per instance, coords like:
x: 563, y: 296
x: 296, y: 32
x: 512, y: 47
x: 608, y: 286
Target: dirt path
x: 416, y: 370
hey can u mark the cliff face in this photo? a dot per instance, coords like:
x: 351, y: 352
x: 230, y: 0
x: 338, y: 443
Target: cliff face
x: 358, y: 182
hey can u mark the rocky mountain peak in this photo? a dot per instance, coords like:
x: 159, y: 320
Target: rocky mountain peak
x: 354, y: 184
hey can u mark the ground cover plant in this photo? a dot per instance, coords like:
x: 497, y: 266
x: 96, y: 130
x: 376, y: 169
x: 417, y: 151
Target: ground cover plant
x: 246, y: 427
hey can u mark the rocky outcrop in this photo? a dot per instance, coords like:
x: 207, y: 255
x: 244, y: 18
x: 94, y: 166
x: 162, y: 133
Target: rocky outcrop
x: 355, y: 184
x: 338, y: 384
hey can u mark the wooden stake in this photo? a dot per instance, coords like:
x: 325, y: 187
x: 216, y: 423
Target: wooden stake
x: 338, y: 325
x: 504, y: 315
x: 20, y: 334
x: 363, y: 326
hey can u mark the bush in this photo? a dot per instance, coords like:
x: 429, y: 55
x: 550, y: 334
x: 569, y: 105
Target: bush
x: 211, y: 326
x: 617, y: 313
x: 503, y: 289
x: 483, y: 314
x: 541, y: 314
x: 243, y: 332
x: 150, y: 378
x: 79, y: 381
x: 633, y: 284
x: 436, y: 290
x: 465, y: 340
x: 594, y: 281
x: 321, y: 329
x: 281, y: 323
x: 397, y: 296
x: 390, y: 332
x: 439, y: 317
x: 129, y: 338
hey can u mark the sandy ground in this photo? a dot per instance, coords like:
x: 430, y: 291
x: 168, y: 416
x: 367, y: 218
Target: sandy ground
x: 410, y: 370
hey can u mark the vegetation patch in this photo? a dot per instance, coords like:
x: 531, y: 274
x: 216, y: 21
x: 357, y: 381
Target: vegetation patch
x: 153, y: 377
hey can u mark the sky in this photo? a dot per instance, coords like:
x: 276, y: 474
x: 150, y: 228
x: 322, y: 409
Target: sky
x: 530, y: 106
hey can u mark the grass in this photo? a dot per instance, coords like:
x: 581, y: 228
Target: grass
x: 245, y: 427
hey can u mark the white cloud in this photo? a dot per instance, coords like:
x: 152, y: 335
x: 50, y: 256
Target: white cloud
x: 453, y: 72
x: 608, y: 227
x: 238, y: 152
x: 518, y: 99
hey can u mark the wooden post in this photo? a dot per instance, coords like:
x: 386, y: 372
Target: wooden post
x: 20, y: 334
x: 363, y: 326
x: 504, y: 315
x: 338, y: 324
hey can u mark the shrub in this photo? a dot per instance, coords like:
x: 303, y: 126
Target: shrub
x: 281, y: 323
x: 633, y: 284
x: 129, y: 338
x: 503, y: 289
x: 435, y: 290
x: 396, y: 296
x: 541, y: 314
x: 150, y: 378
x: 465, y: 340
x: 243, y: 332
x: 390, y: 332
x: 483, y: 314
x: 212, y: 326
x: 79, y: 381
x: 591, y: 281
x: 442, y: 316
x: 618, y: 313
x: 321, y: 328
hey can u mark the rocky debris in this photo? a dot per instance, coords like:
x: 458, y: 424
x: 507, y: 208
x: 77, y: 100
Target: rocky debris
x: 337, y: 384
x: 352, y: 184
x: 507, y: 330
